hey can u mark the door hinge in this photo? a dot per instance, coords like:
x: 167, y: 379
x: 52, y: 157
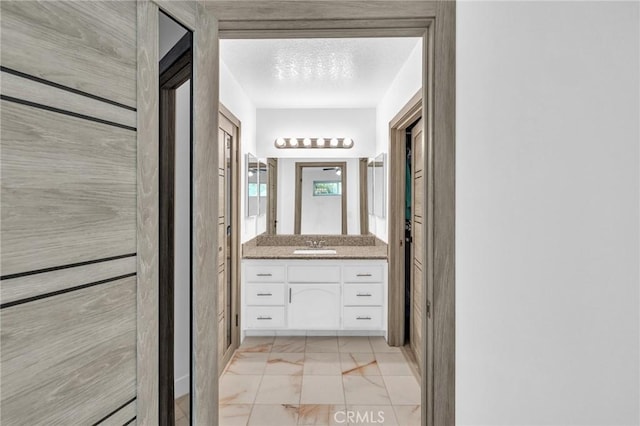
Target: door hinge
x: 428, y: 309
x: 236, y: 320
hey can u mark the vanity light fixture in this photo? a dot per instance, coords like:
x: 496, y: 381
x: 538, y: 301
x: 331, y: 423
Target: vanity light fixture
x: 301, y: 143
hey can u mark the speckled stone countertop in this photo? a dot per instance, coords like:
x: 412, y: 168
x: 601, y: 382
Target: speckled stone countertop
x: 301, y: 240
x: 250, y: 250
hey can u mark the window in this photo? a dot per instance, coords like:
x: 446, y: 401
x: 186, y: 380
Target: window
x: 253, y: 189
x: 327, y: 188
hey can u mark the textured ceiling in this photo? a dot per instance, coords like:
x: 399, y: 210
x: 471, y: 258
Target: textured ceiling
x: 279, y: 73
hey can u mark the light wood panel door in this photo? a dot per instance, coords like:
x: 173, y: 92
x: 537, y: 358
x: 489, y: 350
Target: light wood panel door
x: 418, y: 240
x: 227, y: 289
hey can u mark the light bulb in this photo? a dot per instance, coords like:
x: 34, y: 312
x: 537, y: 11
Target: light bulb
x: 347, y: 142
x: 320, y: 142
x: 250, y: 173
x: 334, y: 142
x: 280, y: 142
x: 293, y: 142
x: 338, y: 172
x: 306, y: 142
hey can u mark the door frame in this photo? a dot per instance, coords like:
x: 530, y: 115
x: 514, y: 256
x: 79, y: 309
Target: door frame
x: 434, y: 21
x: 409, y: 113
x: 343, y: 178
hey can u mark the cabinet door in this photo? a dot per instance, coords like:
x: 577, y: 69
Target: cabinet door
x: 314, y: 306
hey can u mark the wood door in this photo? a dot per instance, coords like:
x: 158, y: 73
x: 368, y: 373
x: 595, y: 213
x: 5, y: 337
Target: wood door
x: 418, y: 240
x: 272, y: 194
x: 227, y: 282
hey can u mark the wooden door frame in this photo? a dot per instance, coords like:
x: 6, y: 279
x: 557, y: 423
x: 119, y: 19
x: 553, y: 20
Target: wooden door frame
x: 272, y: 196
x: 175, y: 70
x: 343, y: 177
x: 364, y: 196
x: 409, y: 113
x: 434, y: 21
x: 236, y: 221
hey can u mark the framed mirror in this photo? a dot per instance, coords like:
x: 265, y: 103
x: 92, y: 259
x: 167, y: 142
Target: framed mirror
x: 370, y: 186
x: 309, y: 196
x: 379, y: 182
x: 252, y: 173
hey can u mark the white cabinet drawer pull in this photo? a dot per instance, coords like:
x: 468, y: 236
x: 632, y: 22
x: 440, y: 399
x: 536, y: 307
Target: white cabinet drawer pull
x: 263, y: 275
x: 363, y: 294
x: 363, y: 318
x: 264, y: 294
x: 264, y: 318
x: 364, y: 275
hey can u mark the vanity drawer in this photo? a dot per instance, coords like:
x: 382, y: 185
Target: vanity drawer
x: 265, y: 317
x: 363, y: 274
x: 265, y: 294
x: 264, y: 273
x: 314, y: 274
x: 362, y: 317
x: 363, y: 294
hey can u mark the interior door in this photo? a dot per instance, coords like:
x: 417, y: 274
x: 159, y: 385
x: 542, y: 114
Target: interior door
x: 314, y: 306
x: 418, y: 243
x: 272, y: 194
x: 227, y: 143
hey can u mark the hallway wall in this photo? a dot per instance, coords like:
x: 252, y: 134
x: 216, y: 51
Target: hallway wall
x: 404, y: 86
x: 68, y: 189
x: 547, y: 207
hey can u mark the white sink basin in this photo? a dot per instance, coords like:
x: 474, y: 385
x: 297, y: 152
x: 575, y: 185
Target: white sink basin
x: 314, y: 251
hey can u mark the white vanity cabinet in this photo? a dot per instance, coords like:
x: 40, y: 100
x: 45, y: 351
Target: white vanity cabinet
x: 292, y: 296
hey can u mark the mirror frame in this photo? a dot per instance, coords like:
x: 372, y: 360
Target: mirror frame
x: 249, y: 158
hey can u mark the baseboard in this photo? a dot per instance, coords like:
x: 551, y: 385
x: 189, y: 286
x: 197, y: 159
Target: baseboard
x: 181, y: 386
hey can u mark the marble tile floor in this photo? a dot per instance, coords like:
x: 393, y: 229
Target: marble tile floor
x: 280, y: 381
x: 181, y: 410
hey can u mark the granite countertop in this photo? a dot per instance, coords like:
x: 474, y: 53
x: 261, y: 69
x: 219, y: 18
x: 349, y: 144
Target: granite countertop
x: 250, y: 250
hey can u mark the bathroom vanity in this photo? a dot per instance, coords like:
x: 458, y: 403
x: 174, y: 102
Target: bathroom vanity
x: 289, y: 290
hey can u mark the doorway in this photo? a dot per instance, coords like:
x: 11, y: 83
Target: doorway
x: 174, y: 230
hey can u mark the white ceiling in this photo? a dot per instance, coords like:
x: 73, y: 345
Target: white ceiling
x: 316, y: 73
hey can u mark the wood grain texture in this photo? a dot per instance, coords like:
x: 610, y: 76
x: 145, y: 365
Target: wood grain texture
x: 69, y: 359
x: 319, y: 10
x: 148, y: 213
x: 40, y: 93
x: 183, y: 11
x: 34, y: 285
x: 68, y: 189
x: 122, y: 416
x: 444, y: 109
x: 205, y: 154
x: 89, y: 46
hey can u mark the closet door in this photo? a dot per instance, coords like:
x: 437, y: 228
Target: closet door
x: 227, y: 141
x: 417, y: 225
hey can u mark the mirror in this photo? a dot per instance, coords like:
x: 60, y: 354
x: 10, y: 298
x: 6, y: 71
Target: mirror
x: 379, y: 186
x: 315, y: 196
x: 321, y: 198
x: 263, y: 187
x: 253, y: 186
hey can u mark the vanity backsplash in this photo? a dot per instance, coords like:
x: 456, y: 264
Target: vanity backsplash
x: 328, y: 240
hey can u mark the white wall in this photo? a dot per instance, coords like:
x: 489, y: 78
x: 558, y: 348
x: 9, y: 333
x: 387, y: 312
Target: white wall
x: 404, y: 86
x: 181, y: 339
x: 287, y: 193
x: 236, y: 100
x: 547, y: 208
x: 356, y: 123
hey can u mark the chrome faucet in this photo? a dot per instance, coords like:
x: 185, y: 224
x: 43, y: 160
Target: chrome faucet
x: 315, y: 244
